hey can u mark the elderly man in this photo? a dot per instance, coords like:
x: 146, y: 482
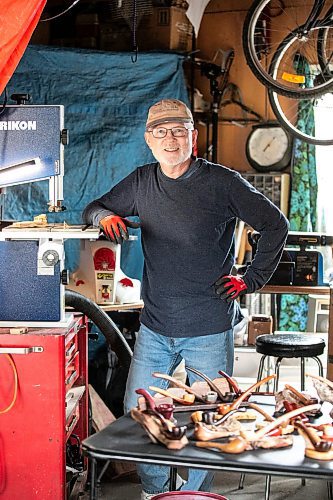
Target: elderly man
x: 188, y: 209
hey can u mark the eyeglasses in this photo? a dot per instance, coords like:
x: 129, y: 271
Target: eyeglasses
x: 160, y: 132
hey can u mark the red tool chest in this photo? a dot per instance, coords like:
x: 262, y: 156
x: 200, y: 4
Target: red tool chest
x: 50, y: 407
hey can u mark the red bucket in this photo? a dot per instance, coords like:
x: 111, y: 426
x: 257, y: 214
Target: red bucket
x: 188, y: 495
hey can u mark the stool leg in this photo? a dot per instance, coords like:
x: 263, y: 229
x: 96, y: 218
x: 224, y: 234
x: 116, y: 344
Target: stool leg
x: 261, y: 367
x: 267, y: 487
x: 302, y: 374
x: 320, y: 366
x: 241, y: 481
x: 277, y: 373
x: 173, y: 478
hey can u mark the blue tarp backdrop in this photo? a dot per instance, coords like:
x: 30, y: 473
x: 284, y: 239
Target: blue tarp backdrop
x: 106, y: 98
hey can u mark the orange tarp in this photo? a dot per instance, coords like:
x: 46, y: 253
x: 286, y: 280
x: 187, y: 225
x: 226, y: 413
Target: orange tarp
x: 18, y: 19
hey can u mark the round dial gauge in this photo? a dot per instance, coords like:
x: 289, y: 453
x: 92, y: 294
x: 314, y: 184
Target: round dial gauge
x: 269, y: 147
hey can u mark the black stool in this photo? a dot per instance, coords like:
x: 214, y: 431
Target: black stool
x: 289, y: 345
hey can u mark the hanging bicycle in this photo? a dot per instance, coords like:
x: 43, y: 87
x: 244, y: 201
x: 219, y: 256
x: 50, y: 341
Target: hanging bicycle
x: 283, y: 30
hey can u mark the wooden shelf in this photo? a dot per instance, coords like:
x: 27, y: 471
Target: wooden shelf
x: 121, y: 307
x: 297, y: 290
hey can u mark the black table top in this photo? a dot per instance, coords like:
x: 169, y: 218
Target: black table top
x: 126, y: 440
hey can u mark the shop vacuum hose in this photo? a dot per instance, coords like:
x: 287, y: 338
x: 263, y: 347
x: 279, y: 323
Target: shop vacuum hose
x: 111, y: 332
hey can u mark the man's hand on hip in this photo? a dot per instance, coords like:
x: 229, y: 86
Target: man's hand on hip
x: 115, y: 228
x: 230, y: 287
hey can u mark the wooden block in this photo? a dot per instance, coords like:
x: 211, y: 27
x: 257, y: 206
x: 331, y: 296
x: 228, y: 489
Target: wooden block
x: 101, y: 415
x: 18, y: 331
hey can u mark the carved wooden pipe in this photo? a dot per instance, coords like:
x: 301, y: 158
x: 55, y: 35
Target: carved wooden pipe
x: 169, y: 428
x: 284, y: 419
x: 232, y: 383
x: 208, y: 417
x: 179, y: 384
x: 226, y: 408
x: 315, y: 447
x: 208, y: 380
x: 234, y: 446
x: 167, y: 393
x: 257, y: 408
x: 298, y: 394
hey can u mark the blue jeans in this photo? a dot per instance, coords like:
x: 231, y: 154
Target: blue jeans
x: 156, y: 353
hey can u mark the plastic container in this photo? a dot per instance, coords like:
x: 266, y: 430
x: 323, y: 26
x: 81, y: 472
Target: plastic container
x: 188, y: 495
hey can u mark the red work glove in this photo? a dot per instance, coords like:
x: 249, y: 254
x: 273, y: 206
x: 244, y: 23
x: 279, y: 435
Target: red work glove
x: 230, y: 287
x: 115, y: 228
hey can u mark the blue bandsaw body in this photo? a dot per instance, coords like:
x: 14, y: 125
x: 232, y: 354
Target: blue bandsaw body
x: 25, y: 295
x: 32, y: 276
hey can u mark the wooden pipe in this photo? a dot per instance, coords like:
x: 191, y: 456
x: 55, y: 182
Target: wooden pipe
x: 234, y: 446
x: 148, y: 398
x: 168, y: 426
x: 179, y: 384
x: 226, y: 408
x: 175, y: 440
x: 208, y: 380
x: 257, y: 408
x: 232, y: 383
x: 203, y: 432
x: 165, y: 392
x: 315, y: 447
x: 298, y: 394
x: 284, y: 419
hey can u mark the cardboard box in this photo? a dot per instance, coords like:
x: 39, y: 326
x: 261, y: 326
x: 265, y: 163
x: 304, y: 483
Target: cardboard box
x: 167, y: 29
x: 260, y: 324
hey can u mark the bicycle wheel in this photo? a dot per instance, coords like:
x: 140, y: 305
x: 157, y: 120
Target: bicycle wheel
x: 314, y: 127
x: 272, y: 27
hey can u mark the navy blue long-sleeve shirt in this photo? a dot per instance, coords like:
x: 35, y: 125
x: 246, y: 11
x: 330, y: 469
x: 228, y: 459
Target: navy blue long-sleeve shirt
x: 187, y: 229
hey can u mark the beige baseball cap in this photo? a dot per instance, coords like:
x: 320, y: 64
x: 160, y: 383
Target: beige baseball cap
x: 168, y: 110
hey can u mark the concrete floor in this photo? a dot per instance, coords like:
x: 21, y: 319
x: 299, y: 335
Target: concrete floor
x: 226, y: 483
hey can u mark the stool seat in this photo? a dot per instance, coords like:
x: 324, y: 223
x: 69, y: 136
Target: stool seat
x: 290, y: 345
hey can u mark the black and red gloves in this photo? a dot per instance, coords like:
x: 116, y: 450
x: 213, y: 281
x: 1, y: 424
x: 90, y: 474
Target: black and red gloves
x: 115, y: 228
x: 230, y: 287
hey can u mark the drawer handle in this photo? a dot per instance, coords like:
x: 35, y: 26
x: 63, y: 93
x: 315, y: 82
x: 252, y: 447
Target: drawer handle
x: 20, y: 350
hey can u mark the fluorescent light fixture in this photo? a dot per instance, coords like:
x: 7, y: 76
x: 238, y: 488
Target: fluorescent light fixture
x: 19, y: 173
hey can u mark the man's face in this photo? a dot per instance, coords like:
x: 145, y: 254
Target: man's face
x: 171, y: 150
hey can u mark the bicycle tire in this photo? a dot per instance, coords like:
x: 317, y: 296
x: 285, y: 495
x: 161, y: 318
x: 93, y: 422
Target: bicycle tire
x: 286, y: 42
x: 286, y: 111
x: 325, y: 49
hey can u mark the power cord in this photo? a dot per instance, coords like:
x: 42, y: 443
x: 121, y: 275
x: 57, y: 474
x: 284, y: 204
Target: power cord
x: 10, y: 406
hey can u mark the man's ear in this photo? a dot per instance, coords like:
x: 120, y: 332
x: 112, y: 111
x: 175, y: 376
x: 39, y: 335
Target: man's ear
x: 194, y: 137
x: 147, y: 139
